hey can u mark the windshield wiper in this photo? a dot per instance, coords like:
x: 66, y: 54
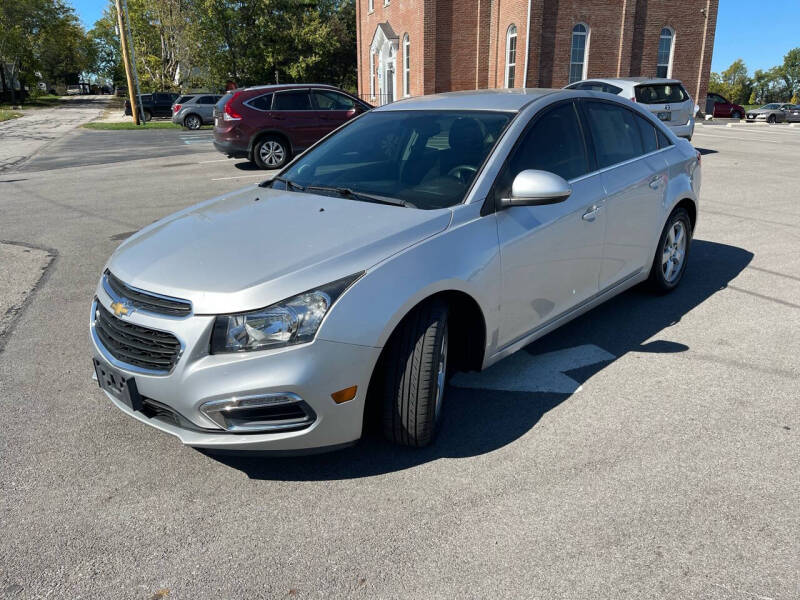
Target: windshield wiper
x: 290, y: 185
x: 348, y: 193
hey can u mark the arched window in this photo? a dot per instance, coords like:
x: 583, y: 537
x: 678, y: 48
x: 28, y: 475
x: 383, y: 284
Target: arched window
x: 511, y: 55
x: 665, y: 43
x: 406, y: 66
x: 578, y: 52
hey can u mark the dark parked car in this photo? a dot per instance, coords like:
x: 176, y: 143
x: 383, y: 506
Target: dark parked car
x: 719, y: 107
x: 158, y: 104
x: 270, y: 124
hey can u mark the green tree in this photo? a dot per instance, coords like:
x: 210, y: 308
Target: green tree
x: 790, y: 72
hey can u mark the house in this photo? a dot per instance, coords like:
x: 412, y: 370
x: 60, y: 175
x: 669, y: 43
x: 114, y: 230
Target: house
x: 416, y: 47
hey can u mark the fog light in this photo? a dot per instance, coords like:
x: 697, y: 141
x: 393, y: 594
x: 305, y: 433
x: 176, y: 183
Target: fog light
x: 262, y: 412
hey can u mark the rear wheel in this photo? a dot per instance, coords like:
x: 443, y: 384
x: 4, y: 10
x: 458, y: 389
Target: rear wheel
x: 672, y: 253
x: 192, y: 122
x: 147, y: 115
x: 415, y: 372
x: 271, y: 152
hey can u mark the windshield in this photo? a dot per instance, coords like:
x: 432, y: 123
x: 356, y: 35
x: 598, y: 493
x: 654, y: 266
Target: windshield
x: 426, y: 159
x: 771, y: 106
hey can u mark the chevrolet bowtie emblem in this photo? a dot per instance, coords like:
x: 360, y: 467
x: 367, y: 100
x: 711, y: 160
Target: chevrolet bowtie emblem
x: 120, y: 309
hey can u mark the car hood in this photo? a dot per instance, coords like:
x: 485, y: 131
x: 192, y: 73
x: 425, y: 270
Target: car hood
x: 258, y: 246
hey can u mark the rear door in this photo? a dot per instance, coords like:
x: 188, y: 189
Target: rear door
x: 293, y: 114
x: 668, y: 101
x: 204, y: 106
x: 634, y: 175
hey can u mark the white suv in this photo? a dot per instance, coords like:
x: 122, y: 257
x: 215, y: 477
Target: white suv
x: 666, y: 98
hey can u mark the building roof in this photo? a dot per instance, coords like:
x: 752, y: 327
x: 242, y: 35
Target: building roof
x: 495, y: 99
x: 388, y: 31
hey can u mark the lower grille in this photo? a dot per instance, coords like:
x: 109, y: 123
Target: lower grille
x: 135, y: 345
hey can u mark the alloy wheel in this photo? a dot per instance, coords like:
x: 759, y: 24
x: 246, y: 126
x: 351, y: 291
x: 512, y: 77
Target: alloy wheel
x: 272, y: 153
x: 674, y: 252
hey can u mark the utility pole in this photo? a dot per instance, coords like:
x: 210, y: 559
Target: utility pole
x: 126, y: 60
x: 127, y: 16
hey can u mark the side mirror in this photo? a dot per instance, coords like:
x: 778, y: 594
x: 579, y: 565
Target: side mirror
x: 536, y: 188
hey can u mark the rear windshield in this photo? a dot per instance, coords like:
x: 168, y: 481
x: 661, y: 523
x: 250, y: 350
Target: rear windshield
x: 660, y: 93
x: 222, y: 101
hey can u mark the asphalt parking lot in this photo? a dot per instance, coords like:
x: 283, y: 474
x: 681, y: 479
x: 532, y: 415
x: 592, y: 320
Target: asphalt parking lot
x: 649, y: 449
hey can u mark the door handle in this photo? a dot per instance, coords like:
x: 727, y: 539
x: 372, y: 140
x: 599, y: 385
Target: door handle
x: 655, y: 182
x: 591, y: 214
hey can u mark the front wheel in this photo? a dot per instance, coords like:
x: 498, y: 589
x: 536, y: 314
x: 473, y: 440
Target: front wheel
x: 735, y: 115
x: 414, y: 377
x: 271, y: 153
x: 147, y: 115
x: 771, y: 119
x: 672, y: 253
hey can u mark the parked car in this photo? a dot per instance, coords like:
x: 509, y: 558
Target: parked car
x: 793, y: 114
x: 426, y: 236
x: 775, y: 112
x: 194, y: 111
x: 666, y: 98
x: 74, y: 90
x: 158, y: 104
x: 270, y: 124
x: 721, y: 108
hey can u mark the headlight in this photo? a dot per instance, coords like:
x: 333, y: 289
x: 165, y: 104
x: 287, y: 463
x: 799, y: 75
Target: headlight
x: 293, y: 321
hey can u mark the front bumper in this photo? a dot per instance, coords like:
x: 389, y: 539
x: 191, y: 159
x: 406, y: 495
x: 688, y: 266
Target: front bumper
x: 312, y: 371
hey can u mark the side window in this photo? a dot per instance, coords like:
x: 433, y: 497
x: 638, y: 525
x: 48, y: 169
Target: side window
x: 649, y: 138
x: 205, y: 100
x: 262, y: 102
x: 332, y: 101
x: 294, y: 100
x: 554, y: 143
x: 663, y: 140
x: 615, y: 133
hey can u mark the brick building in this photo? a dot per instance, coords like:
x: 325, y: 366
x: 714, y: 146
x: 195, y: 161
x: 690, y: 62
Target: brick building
x: 416, y: 47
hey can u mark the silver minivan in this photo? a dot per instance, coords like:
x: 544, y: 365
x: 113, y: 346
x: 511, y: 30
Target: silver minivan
x: 666, y: 98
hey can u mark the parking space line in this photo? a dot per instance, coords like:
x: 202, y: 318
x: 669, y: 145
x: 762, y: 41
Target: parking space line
x: 743, y: 139
x: 240, y: 177
x: 203, y: 162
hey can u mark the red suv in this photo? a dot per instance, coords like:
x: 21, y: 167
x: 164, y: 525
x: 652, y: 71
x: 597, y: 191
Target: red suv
x: 271, y: 123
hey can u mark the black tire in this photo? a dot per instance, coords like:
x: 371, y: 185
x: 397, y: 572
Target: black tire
x: 735, y: 115
x: 192, y: 121
x: 662, y: 279
x: 415, y: 365
x: 771, y: 119
x: 147, y: 115
x: 271, y: 152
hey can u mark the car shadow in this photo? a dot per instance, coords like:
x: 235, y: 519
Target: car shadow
x: 479, y: 421
x: 704, y: 151
x: 246, y: 165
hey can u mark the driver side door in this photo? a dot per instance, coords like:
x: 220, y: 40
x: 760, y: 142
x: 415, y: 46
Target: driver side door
x: 550, y: 255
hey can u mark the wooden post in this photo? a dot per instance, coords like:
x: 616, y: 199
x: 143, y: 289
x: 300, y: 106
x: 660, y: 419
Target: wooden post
x: 123, y: 42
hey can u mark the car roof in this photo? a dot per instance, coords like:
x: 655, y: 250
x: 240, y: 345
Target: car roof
x: 634, y: 80
x: 286, y: 86
x: 496, y: 99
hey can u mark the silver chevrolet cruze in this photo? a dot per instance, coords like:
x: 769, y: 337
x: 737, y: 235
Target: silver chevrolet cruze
x: 431, y: 235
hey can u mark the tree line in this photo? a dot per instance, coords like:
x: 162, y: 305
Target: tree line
x: 191, y: 44
x: 42, y: 44
x: 778, y: 84
x: 179, y: 44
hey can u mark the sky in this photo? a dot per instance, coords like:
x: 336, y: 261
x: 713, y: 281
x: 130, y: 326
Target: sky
x: 760, y: 34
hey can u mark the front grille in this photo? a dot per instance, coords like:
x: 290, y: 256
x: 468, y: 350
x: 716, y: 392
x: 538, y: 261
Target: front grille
x: 153, y: 303
x: 135, y: 345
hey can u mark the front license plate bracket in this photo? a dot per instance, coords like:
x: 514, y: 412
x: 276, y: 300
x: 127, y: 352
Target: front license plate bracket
x: 119, y: 386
